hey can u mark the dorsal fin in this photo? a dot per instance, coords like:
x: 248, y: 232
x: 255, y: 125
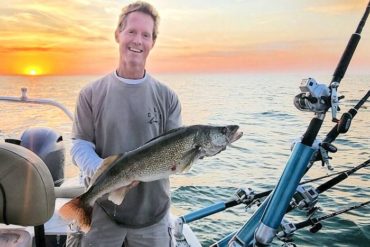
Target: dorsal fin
x: 165, y: 133
x: 106, y: 164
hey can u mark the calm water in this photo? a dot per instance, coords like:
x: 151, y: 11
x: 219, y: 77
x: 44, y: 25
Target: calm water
x: 262, y: 106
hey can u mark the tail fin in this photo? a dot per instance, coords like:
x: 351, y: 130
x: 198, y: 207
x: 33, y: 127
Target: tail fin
x: 77, y: 210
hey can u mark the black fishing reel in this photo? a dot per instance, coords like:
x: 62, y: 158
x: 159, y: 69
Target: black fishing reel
x: 318, y: 98
x: 322, y: 154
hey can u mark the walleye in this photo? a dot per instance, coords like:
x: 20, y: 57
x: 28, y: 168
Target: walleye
x: 173, y: 152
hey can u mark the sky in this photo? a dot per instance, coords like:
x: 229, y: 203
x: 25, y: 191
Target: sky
x: 76, y: 37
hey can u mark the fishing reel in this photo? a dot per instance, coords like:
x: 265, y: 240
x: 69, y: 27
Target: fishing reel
x: 286, y: 232
x: 318, y: 98
x: 322, y: 150
x: 289, y: 244
x: 322, y: 153
x: 245, y: 196
x: 305, y: 198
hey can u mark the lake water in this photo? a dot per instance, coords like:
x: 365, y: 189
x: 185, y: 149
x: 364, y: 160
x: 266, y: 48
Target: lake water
x: 262, y: 106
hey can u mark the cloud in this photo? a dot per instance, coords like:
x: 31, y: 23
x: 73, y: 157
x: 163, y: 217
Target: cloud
x: 336, y: 7
x: 54, y: 23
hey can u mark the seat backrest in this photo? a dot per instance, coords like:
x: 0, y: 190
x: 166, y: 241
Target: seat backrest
x: 26, y: 187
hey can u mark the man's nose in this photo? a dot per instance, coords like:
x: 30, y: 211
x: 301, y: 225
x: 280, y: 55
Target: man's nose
x: 137, y: 39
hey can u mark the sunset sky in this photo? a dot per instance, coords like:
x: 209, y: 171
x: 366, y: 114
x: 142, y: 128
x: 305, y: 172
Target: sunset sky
x: 69, y: 37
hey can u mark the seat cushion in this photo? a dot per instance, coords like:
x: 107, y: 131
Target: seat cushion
x: 27, y: 185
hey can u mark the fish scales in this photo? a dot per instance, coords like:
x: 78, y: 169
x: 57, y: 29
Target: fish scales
x: 152, y: 161
x: 173, y: 152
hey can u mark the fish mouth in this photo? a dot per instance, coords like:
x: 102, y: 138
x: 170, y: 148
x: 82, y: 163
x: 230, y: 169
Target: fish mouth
x: 235, y: 134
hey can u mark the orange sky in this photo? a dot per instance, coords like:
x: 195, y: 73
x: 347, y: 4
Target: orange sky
x: 76, y: 36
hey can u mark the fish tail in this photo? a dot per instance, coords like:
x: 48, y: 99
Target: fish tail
x: 79, y: 211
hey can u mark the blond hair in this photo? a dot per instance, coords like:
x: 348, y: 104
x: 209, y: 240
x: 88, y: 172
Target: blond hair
x: 139, y: 6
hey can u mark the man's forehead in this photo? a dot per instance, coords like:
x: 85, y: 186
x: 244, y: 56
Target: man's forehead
x: 140, y: 17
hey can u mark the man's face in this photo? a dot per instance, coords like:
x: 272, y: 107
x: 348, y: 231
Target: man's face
x: 136, y: 39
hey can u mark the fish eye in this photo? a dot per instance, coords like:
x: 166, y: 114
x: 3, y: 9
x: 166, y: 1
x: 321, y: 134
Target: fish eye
x: 224, y: 130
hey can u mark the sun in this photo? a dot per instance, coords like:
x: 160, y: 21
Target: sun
x: 32, y: 70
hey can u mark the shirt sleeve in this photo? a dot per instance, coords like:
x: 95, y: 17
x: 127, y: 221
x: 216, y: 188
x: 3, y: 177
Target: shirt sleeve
x: 83, y: 148
x: 83, y: 124
x: 174, y: 119
x: 84, y: 156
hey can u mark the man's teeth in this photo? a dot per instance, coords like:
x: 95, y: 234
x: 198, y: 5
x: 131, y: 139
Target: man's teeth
x: 135, y: 50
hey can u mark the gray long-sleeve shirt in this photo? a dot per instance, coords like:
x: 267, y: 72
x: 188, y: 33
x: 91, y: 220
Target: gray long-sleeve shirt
x: 117, y: 117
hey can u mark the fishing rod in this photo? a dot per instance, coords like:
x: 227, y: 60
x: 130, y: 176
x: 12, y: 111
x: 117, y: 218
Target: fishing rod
x: 289, y: 228
x: 248, y: 196
x: 344, y: 62
x: 341, y: 127
x: 241, y: 196
x: 305, y: 197
x: 345, y: 121
x: 321, y: 154
x: 316, y: 98
x: 363, y: 165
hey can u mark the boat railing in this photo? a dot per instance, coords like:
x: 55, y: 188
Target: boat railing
x: 25, y: 99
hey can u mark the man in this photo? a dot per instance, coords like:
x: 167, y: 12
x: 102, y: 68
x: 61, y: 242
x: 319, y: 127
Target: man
x: 117, y: 114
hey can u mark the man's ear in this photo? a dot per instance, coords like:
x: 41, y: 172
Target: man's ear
x: 116, y: 34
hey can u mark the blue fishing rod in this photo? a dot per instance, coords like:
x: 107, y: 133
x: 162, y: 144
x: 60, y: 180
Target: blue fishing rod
x: 307, y: 197
x: 316, y: 98
x: 303, y: 196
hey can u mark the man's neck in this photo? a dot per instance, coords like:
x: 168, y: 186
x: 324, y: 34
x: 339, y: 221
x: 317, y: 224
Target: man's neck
x: 131, y: 73
x: 130, y: 81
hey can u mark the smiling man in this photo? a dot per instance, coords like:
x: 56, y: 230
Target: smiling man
x: 117, y: 114
x: 136, y: 37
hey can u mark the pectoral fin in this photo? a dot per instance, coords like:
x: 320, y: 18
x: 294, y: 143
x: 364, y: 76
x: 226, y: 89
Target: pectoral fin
x: 189, y: 157
x: 118, y: 195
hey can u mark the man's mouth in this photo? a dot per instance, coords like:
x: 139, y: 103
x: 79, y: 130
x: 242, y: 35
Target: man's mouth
x: 136, y: 50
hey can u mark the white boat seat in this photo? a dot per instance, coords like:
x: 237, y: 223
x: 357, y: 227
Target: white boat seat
x: 26, y: 187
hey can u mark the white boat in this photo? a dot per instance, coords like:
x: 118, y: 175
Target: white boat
x: 33, y: 188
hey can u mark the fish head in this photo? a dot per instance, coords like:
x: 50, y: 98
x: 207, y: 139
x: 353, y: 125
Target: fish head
x: 211, y: 140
